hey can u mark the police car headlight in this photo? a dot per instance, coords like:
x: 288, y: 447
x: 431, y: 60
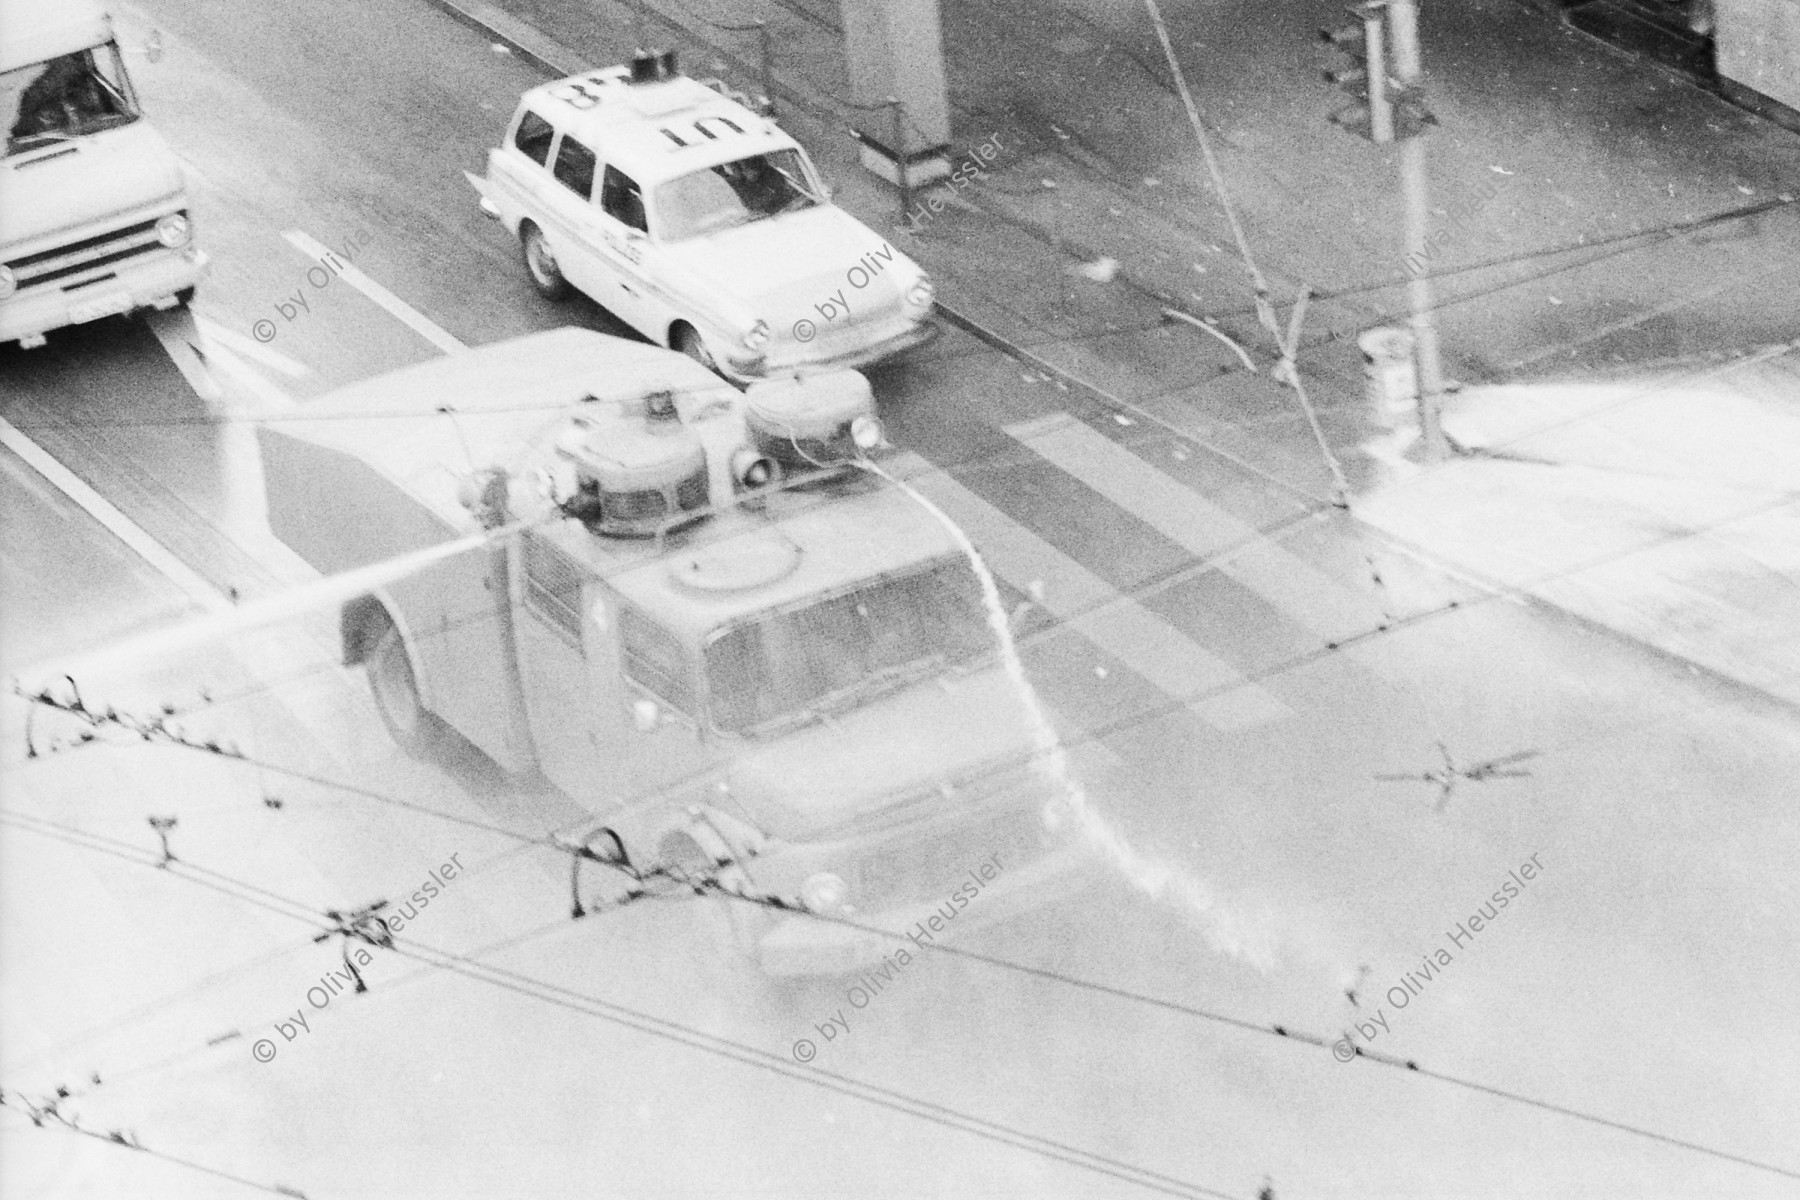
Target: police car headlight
x: 9, y: 283
x: 865, y: 431
x: 758, y: 337
x: 920, y: 294
x: 173, y: 230
x: 824, y: 892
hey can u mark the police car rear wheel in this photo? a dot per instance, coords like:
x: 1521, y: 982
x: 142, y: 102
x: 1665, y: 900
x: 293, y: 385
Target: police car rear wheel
x: 687, y: 339
x: 540, y: 264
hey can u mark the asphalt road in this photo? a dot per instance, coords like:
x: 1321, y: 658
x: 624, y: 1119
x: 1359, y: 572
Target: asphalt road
x: 1643, y: 977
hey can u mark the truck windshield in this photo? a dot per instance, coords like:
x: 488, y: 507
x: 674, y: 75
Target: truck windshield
x: 70, y: 96
x: 798, y: 663
x: 733, y: 193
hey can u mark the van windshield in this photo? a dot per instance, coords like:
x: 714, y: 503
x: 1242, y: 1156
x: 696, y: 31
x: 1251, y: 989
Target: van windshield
x: 799, y: 663
x: 733, y: 193
x: 69, y: 96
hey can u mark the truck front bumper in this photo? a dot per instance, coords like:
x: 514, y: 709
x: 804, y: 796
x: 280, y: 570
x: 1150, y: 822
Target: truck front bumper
x: 153, y: 280
x: 802, y: 946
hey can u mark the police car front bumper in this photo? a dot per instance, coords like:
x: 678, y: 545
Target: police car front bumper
x: 793, y: 357
x: 801, y: 947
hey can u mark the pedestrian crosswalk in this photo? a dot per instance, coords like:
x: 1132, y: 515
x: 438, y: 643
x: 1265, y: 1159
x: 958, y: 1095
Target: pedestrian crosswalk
x: 1120, y: 626
x: 1166, y: 657
x: 1324, y: 606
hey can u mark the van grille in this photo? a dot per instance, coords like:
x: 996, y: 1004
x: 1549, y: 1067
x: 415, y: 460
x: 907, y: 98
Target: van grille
x: 78, y: 258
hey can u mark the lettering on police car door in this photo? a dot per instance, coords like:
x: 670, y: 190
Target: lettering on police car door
x: 623, y: 246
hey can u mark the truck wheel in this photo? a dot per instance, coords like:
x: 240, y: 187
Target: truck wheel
x: 687, y: 339
x: 396, y: 693
x: 540, y: 264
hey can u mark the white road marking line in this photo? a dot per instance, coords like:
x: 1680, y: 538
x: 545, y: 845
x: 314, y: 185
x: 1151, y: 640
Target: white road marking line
x: 272, y: 398
x: 1293, y: 585
x: 411, y: 317
x: 1170, y: 660
x: 116, y: 522
x: 249, y: 347
x: 175, y: 330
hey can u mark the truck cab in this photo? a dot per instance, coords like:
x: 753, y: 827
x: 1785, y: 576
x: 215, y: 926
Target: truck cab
x: 93, y: 207
x: 696, y: 622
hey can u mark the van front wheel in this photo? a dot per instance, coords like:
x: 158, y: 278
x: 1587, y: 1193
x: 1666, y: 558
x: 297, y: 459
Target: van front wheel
x: 540, y: 264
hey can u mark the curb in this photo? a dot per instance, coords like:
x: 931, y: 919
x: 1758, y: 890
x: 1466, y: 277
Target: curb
x: 1498, y: 588
x: 524, y: 40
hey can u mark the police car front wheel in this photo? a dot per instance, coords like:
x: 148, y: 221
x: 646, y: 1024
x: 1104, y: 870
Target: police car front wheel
x: 540, y: 264
x: 688, y: 341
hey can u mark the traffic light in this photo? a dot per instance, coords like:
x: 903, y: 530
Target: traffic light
x: 1411, y: 117
x: 1386, y: 108
x: 1366, y: 77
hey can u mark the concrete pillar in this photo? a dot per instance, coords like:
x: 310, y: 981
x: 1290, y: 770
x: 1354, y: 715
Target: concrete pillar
x: 895, y: 49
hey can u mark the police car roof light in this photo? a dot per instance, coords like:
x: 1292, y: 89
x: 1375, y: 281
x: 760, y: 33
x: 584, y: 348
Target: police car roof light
x: 652, y: 66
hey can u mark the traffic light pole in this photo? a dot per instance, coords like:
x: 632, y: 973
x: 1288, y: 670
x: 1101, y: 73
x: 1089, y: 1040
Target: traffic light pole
x: 1415, y: 184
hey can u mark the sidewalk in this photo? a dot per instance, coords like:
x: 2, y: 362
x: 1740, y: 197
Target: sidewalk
x: 1097, y: 215
x: 1665, y: 510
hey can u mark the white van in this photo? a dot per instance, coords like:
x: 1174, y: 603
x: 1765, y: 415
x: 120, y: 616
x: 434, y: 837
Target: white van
x: 698, y: 223
x: 93, y: 207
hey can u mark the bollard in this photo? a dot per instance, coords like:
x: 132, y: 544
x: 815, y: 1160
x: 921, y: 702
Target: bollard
x: 1392, y: 380
x: 899, y: 148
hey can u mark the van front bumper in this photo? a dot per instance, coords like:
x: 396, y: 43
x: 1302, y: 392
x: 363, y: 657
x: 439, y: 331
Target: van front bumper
x: 150, y: 281
x: 800, y: 947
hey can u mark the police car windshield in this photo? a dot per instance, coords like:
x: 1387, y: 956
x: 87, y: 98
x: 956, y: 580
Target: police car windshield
x: 69, y: 96
x: 799, y: 663
x: 733, y: 193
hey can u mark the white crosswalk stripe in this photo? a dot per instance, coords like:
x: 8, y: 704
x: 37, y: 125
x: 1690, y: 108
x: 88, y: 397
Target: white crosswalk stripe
x: 1312, y: 598
x: 1164, y: 656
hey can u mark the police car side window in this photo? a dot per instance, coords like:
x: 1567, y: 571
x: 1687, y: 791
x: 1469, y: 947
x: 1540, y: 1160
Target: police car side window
x: 575, y: 167
x: 534, y: 137
x: 621, y: 198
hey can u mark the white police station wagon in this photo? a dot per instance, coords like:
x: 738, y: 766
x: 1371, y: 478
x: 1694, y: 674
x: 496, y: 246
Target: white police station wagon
x: 699, y: 223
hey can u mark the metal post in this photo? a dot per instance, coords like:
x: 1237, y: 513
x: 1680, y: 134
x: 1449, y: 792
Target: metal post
x: 1404, y: 22
x: 1381, y: 113
x: 576, y: 912
x: 899, y: 135
x: 637, y: 24
x: 765, y: 44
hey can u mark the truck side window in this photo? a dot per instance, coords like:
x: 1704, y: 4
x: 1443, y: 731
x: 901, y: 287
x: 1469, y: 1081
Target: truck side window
x: 534, y: 137
x: 553, y: 585
x: 574, y: 167
x: 655, y: 660
x: 621, y: 199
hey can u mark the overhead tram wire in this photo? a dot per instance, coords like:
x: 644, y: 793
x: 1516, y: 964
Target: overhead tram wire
x: 709, y: 885
x: 1168, y: 707
x: 1095, y: 733
x: 1136, y: 718
x: 1663, y: 232
x: 1277, y: 1029
x: 742, y: 1053
x: 39, y: 1117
